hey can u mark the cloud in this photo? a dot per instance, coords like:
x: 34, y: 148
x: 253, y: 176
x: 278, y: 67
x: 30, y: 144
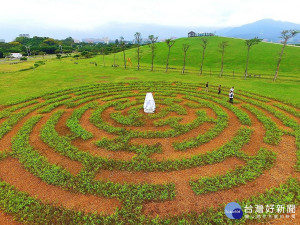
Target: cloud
x: 90, y: 14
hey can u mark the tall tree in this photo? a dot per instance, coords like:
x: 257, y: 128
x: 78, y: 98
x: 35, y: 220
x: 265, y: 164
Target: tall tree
x: 138, y: 40
x: 123, y: 47
x: 114, y: 48
x: 152, y: 45
x: 285, y: 36
x: 102, y: 51
x: 204, y: 42
x: 170, y: 43
x: 185, y: 47
x: 249, y: 43
x: 222, y: 47
x: 28, y: 50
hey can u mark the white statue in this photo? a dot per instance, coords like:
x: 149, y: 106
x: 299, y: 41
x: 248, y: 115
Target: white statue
x: 149, y: 104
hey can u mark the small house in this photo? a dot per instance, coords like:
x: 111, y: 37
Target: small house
x: 192, y: 34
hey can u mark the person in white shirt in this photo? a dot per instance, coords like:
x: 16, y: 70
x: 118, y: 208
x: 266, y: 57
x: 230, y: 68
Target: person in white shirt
x: 231, y: 97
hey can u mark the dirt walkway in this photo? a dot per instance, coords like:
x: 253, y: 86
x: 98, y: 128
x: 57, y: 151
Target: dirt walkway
x: 12, y: 172
x: 187, y: 201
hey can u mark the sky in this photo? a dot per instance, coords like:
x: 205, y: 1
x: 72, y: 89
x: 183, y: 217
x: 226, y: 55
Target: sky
x: 89, y: 15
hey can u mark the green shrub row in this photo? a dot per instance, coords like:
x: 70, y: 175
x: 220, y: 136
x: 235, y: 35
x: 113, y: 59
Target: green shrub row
x: 273, y: 133
x: 97, y: 120
x: 4, y: 154
x: 74, y: 125
x: 63, y: 146
x: 14, y: 118
x: 192, y: 105
x: 32, y: 211
x: 134, y: 118
x: 287, y: 193
x: 288, y: 109
x: 241, y: 115
x: 286, y: 120
x: 121, y: 143
x: 52, y: 174
x: 63, y: 100
x: 221, y: 123
x: 33, y: 161
x: 254, y: 96
x: 254, y: 168
x: 6, y: 112
x: 230, y: 149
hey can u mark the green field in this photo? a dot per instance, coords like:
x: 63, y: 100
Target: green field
x: 57, y: 74
x: 77, y: 148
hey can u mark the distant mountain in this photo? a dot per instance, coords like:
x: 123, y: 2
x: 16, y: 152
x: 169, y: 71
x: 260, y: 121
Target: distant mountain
x: 111, y: 30
x: 267, y: 29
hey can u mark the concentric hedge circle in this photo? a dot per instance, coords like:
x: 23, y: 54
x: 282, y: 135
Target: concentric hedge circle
x: 95, y: 144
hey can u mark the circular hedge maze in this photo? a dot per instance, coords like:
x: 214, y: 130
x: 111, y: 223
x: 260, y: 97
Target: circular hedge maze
x: 90, y: 155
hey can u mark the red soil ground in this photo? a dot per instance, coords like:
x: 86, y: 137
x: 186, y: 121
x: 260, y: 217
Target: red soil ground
x: 12, y: 172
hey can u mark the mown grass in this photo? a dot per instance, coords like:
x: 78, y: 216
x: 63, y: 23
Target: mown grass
x: 59, y: 74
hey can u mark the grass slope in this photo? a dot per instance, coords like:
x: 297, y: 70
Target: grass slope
x: 58, y: 74
x: 263, y: 57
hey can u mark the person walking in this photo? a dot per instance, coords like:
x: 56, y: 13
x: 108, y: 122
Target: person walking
x: 219, y: 89
x: 232, y: 89
x: 206, y: 87
x: 231, y: 97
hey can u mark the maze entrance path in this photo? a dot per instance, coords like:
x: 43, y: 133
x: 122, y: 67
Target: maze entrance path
x: 91, y: 155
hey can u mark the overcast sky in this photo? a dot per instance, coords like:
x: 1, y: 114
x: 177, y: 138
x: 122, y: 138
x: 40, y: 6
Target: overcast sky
x: 86, y: 15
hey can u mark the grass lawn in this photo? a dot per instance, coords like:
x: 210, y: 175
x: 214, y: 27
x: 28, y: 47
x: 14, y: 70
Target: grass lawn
x: 58, y: 74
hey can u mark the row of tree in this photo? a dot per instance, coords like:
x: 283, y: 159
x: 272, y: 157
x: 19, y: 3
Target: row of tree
x: 45, y: 45
x: 285, y: 36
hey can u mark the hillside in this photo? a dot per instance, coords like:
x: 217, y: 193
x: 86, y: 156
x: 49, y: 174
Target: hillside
x: 263, y: 57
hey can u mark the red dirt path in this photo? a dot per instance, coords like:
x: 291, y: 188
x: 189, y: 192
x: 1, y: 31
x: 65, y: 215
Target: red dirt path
x: 12, y: 172
x: 185, y: 201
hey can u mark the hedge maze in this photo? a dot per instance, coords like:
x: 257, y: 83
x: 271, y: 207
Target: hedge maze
x: 90, y: 155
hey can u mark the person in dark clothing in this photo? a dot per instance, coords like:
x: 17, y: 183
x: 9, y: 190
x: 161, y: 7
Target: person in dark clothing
x: 206, y: 87
x: 219, y: 89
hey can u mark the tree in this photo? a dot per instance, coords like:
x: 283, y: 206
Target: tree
x: 170, y: 43
x: 14, y: 43
x: 204, y: 42
x: 249, y: 43
x: 69, y: 41
x: 102, y: 51
x: 50, y: 41
x: 138, y: 40
x: 222, y: 47
x: 114, y: 48
x: 152, y: 40
x: 123, y: 47
x: 185, y: 47
x: 285, y: 35
x: 28, y: 50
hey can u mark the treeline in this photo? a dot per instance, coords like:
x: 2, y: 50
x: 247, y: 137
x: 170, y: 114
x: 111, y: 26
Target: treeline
x: 285, y: 36
x: 45, y: 45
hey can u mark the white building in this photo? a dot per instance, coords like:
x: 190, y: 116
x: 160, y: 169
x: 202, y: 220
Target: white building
x: 16, y: 55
